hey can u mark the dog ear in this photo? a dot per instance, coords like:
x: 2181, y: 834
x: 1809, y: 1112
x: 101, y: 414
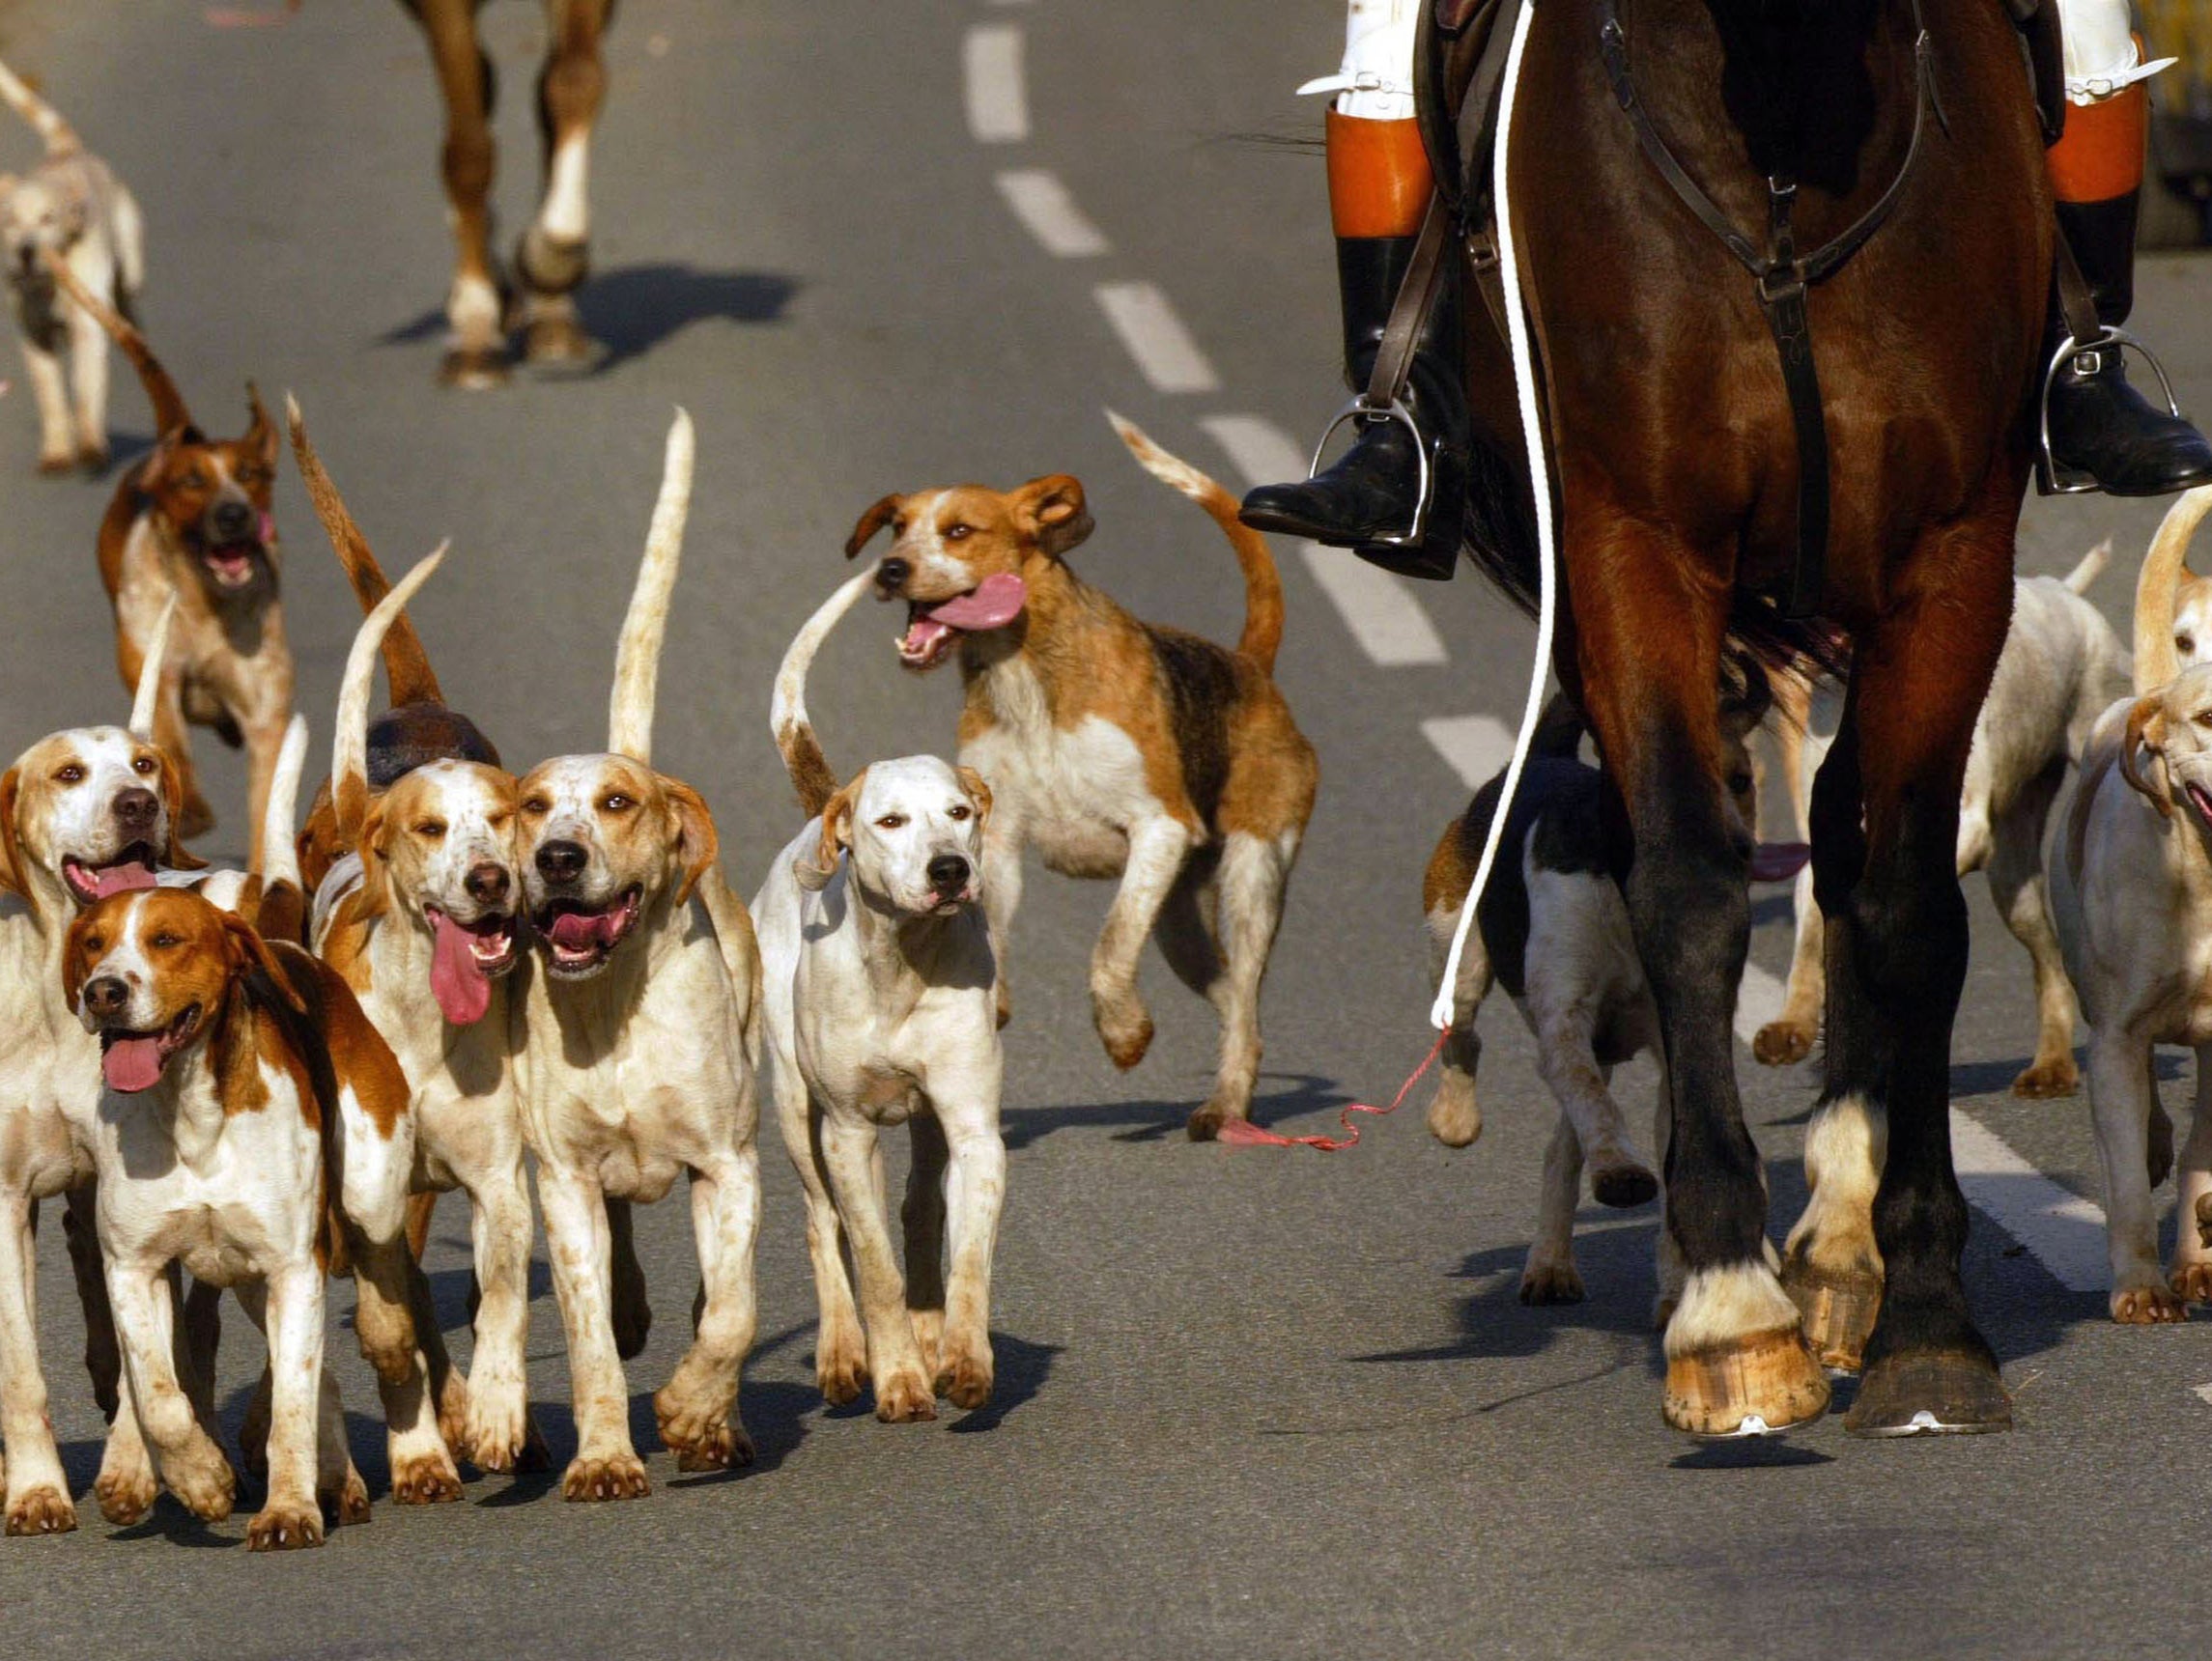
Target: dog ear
x: 175, y: 856
x: 836, y: 836
x: 1052, y: 512
x: 878, y: 515
x: 12, y: 879
x: 76, y: 960
x: 262, y: 435
x: 2146, y: 730
x: 250, y: 954
x: 376, y: 870
x: 697, y: 844
x: 978, y: 793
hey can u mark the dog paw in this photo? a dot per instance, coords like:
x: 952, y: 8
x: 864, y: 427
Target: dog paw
x: 700, y: 1435
x: 496, y: 1434
x: 284, y: 1527
x: 202, y: 1479
x: 424, y: 1479
x: 965, y: 1381
x: 1554, y: 1283
x: 53, y: 466
x: 2055, y: 1077
x: 1621, y: 1182
x: 1205, y: 1122
x: 618, y: 1477
x: 721, y: 1447
x: 905, y: 1398
x: 92, y: 459
x: 1454, y: 1118
x: 125, y: 1497
x: 1006, y: 1006
x: 1780, y: 1043
x: 43, y: 1511
x: 2147, y: 1305
x: 841, y: 1375
x: 2192, y: 1282
x: 929, y: 1336
x: 346, y: 1506
x: 1125, y: 1028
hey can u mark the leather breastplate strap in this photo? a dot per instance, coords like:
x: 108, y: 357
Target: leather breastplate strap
x: 1784, y: 276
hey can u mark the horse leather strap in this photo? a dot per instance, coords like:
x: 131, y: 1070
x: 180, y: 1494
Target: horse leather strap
x: 1782, y: 276
x: 2077, y: 305
x: 1416, y: 293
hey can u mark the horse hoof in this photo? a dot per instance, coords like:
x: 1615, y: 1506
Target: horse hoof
x: 556, y: 343
x: 1945, y: 1395
x: 474, y: 368
x: 1838, y: 1309
x: 550, y: 266
x: 1624, y: 1185
x: 1757, y: 1386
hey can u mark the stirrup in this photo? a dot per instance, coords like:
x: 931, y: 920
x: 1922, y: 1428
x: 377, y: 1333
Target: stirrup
x: 2050, y: 479
x: 1363, y: 410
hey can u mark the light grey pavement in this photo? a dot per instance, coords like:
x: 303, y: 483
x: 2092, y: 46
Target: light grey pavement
x: 1261, y: 1404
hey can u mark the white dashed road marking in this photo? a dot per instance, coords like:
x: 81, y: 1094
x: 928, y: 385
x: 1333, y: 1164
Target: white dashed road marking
x: 998, y: 104
x: 1382, y: 611
x: 1047, y: 213
x: 1166, y: 354
x: 2065, y: 1233
x: 1475, y: 745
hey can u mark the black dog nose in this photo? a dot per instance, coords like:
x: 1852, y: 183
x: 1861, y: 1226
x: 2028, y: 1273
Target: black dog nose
x: 230, y: 520
x: 105, y: 996
x: 948, y: 872
x: 892, y: 574
x: 487, y: 884
x: 137, y: 808
x: 562, y: 861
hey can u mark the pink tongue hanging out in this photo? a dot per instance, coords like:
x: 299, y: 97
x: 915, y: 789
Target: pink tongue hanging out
x: 579, y: 929
x: 1778, y: 861
x: 996, y: 601
x: 459, y: 987
x: 131, y: 1064
x: 122, y: 879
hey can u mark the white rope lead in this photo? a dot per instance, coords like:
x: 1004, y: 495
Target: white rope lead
x: 1539, y: 476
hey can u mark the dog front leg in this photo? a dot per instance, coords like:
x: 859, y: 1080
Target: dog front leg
x: 172, y: 733
x: 2189, y: 1274
x: 840, y: 1350
x: 88, y: 383
x: 605, y: 1466
x: 975, y: 1193
x: 1789, y: 1036
x: 400, y: 1339
x: 292, y: 1314
x: 184, y: 1455
x: 499, y: 1435
x: 1003, y: 895
x: 2122, y: 1099
x: 1255, y: 872
x: 2016, y: 884
x: 902, y: 1385
x: 697, y: 1407
x: 38, y: 1493
x: 921, y: 1219
x: 1549, y: 1275
x: 1157, y: 849
x: 42, y: 367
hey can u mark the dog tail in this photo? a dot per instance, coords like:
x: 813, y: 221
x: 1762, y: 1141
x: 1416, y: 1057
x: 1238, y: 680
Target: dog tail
x: 170, y: 415
x: 407, y: 666
x: 2092, y: 567
x: 147, y: 696
x: 1262, y: 584
x: 637, y: 660
x: 45, y: 120
x: 350, y: 743
x: 802, y: 750
x: 281, y: 912
x: 2158, y: 585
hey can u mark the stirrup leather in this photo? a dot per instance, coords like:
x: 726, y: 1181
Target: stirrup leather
x: 1364, y: 409
x: 2052, y: 479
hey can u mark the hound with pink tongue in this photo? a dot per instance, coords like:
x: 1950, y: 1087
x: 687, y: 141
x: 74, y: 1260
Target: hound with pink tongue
x: 930, y: 633
x: 457, y: 977
x: 133, y: 1063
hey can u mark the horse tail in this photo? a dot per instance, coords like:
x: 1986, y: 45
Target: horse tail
x: 169, y: 413
x: 407, y: 666
x: 811, y: 771
x: 44, y: 120
x: 1262, y: 633
x: 2158, y: 586
x: 2092, y: 567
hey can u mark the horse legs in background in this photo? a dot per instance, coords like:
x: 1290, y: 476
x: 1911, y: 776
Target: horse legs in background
x: 553, y: 254
x: 475, y: 348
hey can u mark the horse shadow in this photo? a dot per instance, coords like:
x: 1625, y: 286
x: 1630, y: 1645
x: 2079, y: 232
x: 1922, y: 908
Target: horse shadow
x: 1157, y: 1120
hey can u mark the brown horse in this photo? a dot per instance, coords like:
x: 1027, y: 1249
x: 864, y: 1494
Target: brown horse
x: 1677, y: 473
x: 555, y: 251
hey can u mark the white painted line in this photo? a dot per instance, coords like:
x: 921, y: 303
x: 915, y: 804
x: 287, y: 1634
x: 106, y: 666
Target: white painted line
x: 1049, y: 213
x: 1166, y: 354
x: 1475, y: 745
x: 1758, y: 1001
x: 1381, y: 611
x: 2065, y: 1233
x: 998, y: 105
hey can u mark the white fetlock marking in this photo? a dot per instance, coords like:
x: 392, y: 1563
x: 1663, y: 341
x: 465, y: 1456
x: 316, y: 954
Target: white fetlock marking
x: 1725, y: 1306
x: 566, y: 216
x: 474, y: 309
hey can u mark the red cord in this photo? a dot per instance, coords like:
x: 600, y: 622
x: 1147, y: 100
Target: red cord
x: 1243, y: 1133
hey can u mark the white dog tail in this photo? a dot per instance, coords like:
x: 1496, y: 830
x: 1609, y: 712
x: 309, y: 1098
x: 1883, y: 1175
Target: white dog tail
x: 147, y: 696
x: 1262, y: 583
x: 2158, y: 586
x: 2092, y: 567
x: 280, y: 820
x: 45, y: 120
x: 350, y: 743
x: 637, y: 660
x: 809, y: 768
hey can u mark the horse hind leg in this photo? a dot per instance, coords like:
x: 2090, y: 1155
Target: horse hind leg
x: 554, y: 253
x: 475, y: 348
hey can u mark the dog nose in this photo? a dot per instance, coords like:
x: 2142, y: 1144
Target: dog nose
x: 949, y: 873
x: 562, y: 861
x: 230, y: 520
x: 137, y: 808
x: 891, y: 574
x: 487, y: 884
x: 105, y: 996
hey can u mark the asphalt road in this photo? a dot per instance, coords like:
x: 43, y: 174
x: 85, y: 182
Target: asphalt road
x: 1258, y: 1402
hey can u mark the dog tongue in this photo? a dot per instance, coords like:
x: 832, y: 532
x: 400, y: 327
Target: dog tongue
x: 582, y: 928
x: 131, y: 1064
x: 996, y: 601
x: 455, y: 982
x: 1778, y: 861
x: 121, y: 879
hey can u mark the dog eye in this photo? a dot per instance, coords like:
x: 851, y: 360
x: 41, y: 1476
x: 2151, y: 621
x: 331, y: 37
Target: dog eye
x: 73, y: 773
x: 95, y: 944
x: 959, y: 810
x: 891, y: 822
x: 537, y: 807
x: 617, y: 802
x: 897, y: 528
x: 959, y: 532
x: 143, y: 764
x: 2185, y: 644
x: 196, y: 480
x: 166, y: 941
x: 431, y: 828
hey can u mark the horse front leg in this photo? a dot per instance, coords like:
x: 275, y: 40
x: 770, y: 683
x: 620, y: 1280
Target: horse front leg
x: 1897, y: 963
x: 554, y: 252
x: 476, y: 346
x: 1736, y: 1362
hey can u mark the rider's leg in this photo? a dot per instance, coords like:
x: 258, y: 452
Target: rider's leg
x: 1380, y: 187
x: 2100, y: 425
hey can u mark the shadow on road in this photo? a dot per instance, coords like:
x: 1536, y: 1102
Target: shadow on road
x: 1157, y: 1120
x: 1020, y: 1369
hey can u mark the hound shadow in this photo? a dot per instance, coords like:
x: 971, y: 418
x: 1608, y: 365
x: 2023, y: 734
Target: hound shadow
x: 1158, y: 1120
x: 168, y: 1520
x: 1020, y: 1371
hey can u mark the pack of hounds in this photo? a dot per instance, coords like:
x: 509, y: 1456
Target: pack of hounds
x: 455, y: 976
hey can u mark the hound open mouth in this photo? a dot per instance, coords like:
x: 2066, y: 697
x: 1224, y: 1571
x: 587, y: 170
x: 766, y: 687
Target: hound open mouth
x: 932, y: 629
x: 132, y: 868
x: 2200, y: 799
x: 464, y: 959
x: 580, y: 939
x: 133, y: 1061
x: 234, y: 564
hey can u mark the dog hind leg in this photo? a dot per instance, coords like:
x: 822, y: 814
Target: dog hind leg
x: 2016, y: 884
x: 1549, y: 1275
x: 1454, y: 1116
x: 697, y: 1409
x: 1255, y: 872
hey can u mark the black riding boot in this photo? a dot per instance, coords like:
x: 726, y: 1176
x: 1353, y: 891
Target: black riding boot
x: 2101, y: 426
x: 1374, y: 490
